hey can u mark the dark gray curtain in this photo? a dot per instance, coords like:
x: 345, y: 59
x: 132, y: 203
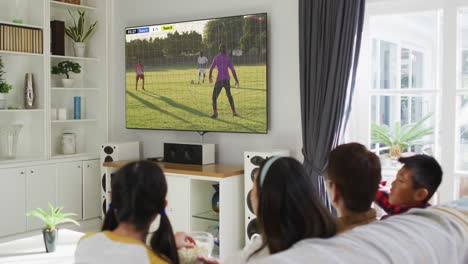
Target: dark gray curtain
x: 329, y: 42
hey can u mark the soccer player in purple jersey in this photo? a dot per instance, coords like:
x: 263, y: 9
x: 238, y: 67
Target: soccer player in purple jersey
x: 222, y: 61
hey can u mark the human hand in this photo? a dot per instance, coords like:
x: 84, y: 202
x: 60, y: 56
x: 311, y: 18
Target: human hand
x: 237, y: 84
x: 211, y: 80
x: 183, y: 240
x: 207, y: 260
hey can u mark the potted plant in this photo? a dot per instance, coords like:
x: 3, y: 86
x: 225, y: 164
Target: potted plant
x: 52, y: 219
x: 65, y: 67
x: 77, y: 32
x: 4, y: 87
x: 400, y: 137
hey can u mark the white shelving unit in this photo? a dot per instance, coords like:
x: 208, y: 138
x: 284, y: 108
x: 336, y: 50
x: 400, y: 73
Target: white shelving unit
x: 39, y: 142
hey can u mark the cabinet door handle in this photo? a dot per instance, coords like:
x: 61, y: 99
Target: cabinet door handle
x: 32, y: 171
x: 87, y: 166
x: 22, y: 173
x: 79, y: 166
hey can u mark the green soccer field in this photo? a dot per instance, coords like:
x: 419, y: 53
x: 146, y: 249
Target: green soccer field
x: 173, y: 99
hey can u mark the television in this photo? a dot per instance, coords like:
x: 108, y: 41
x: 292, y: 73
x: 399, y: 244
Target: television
x: 168, y: 69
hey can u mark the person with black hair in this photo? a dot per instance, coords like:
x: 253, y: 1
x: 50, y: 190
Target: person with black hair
x: 222, y: 62
x: 138, y: 196
x: 352, y: 178
x: 415, y: 184
x: 287, y: 208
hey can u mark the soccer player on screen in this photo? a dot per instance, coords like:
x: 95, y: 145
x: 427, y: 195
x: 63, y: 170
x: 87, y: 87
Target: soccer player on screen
x: 222, y: 61
x: 139, y: 70
x: 202, y: 60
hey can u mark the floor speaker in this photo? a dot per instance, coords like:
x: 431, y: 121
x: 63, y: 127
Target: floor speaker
x: 252, y: 162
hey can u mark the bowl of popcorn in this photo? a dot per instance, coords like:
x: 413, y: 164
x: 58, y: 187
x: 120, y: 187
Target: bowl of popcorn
x: 204, y: 243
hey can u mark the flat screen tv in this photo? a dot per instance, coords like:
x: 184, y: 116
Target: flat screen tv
x: 206, y: 75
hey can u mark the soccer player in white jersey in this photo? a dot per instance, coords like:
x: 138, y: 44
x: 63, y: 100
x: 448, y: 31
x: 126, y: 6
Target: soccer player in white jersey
x: 202, y: 60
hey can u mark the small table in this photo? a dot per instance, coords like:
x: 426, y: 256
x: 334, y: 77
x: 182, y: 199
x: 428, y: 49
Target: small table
x: 31, y: 250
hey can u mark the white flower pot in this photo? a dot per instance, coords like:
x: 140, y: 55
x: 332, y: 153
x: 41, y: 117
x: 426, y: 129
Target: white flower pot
x: 2, y: 101
x: 79, y: 48
x: 67, y: 83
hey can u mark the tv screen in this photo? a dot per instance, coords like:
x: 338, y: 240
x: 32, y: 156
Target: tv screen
x: 204, y: 75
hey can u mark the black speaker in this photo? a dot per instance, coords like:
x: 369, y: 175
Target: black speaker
x: 198, y: 154
x: 57, y: 35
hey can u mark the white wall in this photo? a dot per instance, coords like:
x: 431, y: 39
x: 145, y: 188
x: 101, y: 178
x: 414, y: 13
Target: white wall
x: 284, y: 100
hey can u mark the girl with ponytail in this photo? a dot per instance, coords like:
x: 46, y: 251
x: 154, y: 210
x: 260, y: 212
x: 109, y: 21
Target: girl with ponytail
x: 138, y: 196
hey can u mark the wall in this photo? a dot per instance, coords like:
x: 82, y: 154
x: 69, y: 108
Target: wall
x: 284, y: 112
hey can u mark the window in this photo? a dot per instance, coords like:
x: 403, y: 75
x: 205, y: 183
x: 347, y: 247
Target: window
x: 403, y: 90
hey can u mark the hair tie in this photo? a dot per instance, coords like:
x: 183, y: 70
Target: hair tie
x: 266, y: 167
x: 163, y: 212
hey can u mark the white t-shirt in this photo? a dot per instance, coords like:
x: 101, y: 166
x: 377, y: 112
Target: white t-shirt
x: 202, y: 62
x: 107, y: 247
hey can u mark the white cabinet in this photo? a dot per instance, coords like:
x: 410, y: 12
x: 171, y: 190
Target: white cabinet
x: 91, y: 189
x: 41, y: 189
x: 178, y: 196
x: 12, y: 201
x: 69, y: 188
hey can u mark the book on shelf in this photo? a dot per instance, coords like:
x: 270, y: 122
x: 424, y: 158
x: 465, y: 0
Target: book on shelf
x: 20, y: 39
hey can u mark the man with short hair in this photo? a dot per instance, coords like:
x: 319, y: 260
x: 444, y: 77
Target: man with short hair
x: 353, y: 177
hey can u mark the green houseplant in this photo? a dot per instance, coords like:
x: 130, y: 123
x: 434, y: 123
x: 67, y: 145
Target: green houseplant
x: 4, y: 86
x: 65, y: 67
x: 77, y: 32
x: 400, y: 138
x: 52, y: 218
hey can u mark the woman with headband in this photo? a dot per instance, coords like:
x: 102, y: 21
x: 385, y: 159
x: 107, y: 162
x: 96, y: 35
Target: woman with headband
x: 138, y: 195
x: 287, y: 208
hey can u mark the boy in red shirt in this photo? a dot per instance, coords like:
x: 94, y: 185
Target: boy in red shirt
x: 414, y: 185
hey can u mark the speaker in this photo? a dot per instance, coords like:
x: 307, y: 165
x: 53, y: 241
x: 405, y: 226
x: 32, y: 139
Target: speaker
x: 57, y: 35
x: 114, y: 151
x: 189, y: 153
x: 252, y: 162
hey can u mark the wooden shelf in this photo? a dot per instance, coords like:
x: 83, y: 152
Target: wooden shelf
x: 72, y: 121
x: 21, y: 25
x: 74, y: 58
x: 211, y: 170
x: 68, y: 5
x: 39, y: 55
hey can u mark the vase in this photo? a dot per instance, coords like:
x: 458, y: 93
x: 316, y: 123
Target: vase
x: 50, y: 237
x: 79, y: 48
x: 29, y: 95
x: 67, y: 83
x: 9, y: 140
x: 68, y: 143
x: 2, y: 101
x: 215, y: 199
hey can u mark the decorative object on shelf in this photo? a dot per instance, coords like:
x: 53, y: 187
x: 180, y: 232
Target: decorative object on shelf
x: 215, y: 199
x: 9, y: 140
x: 4, y: 86
x: 62, y: 114
x: 75, y: 2
x: 77, y: 107
x: 53, y: 113
x: 18, y: 36
x: 400, y: 137
x: 51, y: 219
x: 19, y: 13
x: 77, y: 33
x: 29, y: 94
x: 57, y: 32
x: 68, y: 143
x: 65, y: 67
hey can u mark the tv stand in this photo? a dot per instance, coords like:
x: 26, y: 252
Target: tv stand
x: 190, y: 190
